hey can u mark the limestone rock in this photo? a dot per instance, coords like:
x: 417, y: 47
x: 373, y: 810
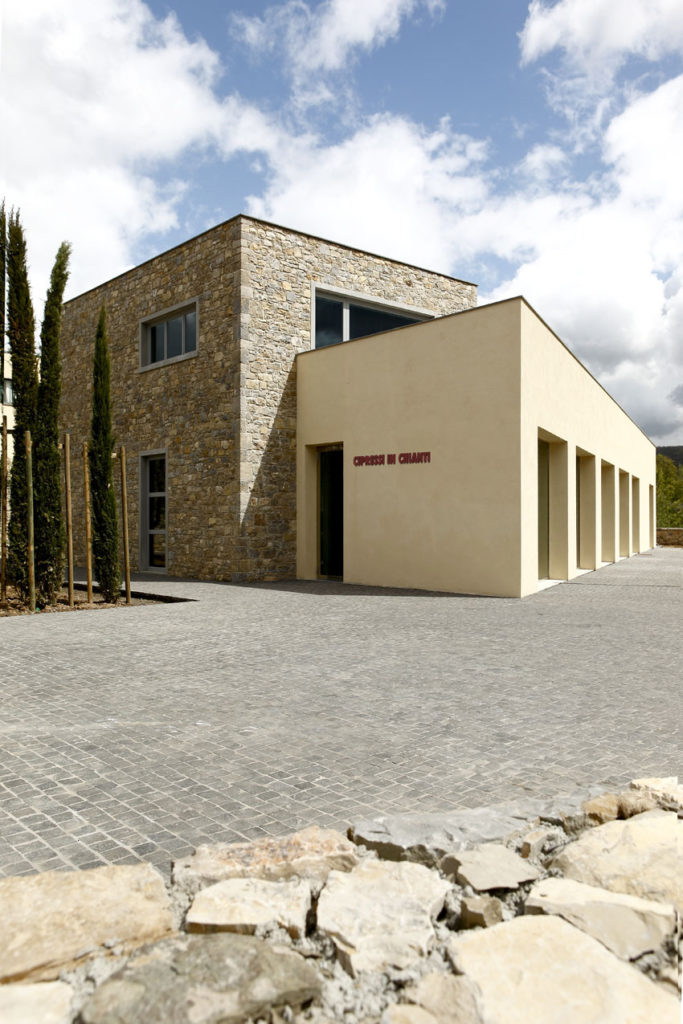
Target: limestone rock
x: 481, y: 911
x: 43, y: 1003
x: 667, y: 792
x: 56, y: 919
x: 627, y: 925
x: 634, y: 802
x: 641, y: 856
x: 401, y: 1013
x: 380, y: 914
x: 311, y: 853
x: 242, y: 904
x: 203, y: 979
x: 602, y: 808
x: 543, y: 969
x: 425, y: 838
x: 490, y: 866
x: 450, y: 999
x: 541, y: 840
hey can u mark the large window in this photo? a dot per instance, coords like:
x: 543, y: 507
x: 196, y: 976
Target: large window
x: 338, y: 319
x: 153, y: 525
x: 170, y: 336
x: 7, y: 393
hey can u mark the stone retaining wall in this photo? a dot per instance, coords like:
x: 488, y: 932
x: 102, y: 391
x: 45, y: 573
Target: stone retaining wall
x: 490, y: 914
x: 671, y: 537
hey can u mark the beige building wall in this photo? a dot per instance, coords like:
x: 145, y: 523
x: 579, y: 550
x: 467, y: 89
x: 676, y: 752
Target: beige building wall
x: 476, y: 390
x: 451, y: 388
x: 562, y: 403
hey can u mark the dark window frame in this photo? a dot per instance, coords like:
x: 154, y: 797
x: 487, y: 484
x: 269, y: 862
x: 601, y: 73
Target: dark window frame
x: 145, y: 495
x: 349, y: 299
x: 162, y: 319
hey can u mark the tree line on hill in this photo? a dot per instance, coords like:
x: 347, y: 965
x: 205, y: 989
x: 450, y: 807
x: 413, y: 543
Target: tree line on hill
x: 37, y: 391
x: 669, y: 492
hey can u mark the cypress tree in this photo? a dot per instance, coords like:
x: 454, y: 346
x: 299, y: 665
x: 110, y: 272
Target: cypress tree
x: 105, y: 534
x: 21, y: 332
x: 3, y: 290
x: 49, y: 522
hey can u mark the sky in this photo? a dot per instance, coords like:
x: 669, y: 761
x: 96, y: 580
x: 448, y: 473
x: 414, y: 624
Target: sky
x: 534, y: 148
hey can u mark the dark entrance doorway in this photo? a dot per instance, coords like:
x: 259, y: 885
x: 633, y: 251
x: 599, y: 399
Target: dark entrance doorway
x: 331, y: 502
x: 543, y: 510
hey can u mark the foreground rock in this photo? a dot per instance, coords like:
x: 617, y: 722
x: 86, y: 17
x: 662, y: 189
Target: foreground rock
x: 203, y: 979
x: 380, y: 914
x: 311, y: 853
x: 46, y: 1003
x: 667, y: 792
x: 538, y: 969
x: 627, y: 925
x: 244, y: 904
x: 449, y: 999
x: 488, y: 867
x: 53, y: 920
x: 641, y: 856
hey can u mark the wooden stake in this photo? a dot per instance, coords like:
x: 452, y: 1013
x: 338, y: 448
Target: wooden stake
x: 88, y: 527
x: 29, y: 510
x: 124, y: 516
x: 69, y: 521
x: 3, y: 526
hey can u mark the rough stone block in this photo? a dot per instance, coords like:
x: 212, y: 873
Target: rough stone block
x: 43, y: 1003
x: 481, y: 911
x: 487, y: 867
x: 242, y: 904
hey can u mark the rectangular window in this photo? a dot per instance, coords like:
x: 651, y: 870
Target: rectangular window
x: 170, y: 336
x: 153, y: 507
x: 7, y: 393
x: 338, y: 319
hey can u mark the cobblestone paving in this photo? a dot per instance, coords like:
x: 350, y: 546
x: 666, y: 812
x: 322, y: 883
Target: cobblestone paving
x: 137, y: 733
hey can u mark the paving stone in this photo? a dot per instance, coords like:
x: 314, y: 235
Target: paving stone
x: 450, y: 999
x: 380, y: 914
x: 627, y: 925
x: 543, y: 969
x: 311, y: 853
x: 242, y: 904
x: 487, y: 867
x: 45, y: 1002
x: 481, y: 911
x: 53, y: 920
x: 641, y: 856
x: 234, y: 689
x: 203, y: 979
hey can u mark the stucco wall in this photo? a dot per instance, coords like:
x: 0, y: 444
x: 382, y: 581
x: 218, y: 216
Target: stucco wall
x: 451, y: 388
x: 189, y: 408
x: 561, y: 399
x: 279, y: 268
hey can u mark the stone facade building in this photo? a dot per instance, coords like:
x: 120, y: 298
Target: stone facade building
x: 203, y: 344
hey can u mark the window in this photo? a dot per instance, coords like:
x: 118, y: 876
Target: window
x: 171, y: 335
x: 153, y: 526
x: 7, y: 392
x: 339, y: 319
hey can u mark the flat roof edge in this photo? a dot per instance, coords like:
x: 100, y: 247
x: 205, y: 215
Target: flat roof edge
x: 279, y: 227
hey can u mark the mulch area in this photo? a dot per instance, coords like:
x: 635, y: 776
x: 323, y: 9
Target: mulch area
x: 16, y: 606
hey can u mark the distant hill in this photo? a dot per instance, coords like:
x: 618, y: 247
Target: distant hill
x: 673, y: 452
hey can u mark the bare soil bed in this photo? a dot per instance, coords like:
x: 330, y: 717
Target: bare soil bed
x: 17, y: 606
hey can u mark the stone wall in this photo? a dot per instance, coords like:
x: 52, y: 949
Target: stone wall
x: 227, y: 418
x: 671, y: 537
x: 278, y: 269
x: 189, y: 408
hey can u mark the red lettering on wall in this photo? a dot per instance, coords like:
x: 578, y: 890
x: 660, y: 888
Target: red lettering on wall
x: 404, y: 458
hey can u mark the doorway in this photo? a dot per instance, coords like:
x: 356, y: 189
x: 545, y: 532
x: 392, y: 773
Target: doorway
x: 543, y: 510
x: 331, y: 508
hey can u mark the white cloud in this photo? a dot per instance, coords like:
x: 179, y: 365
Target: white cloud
x: 326, y: 37
x: 598, y: 35
x: 95, y: 98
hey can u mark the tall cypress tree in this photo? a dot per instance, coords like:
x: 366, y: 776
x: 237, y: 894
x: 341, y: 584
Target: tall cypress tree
x: 49, y: 522
x: 3, y: 290
x: 21, y: 332
x: 105, y: 534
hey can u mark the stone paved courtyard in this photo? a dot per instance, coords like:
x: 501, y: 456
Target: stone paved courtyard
x: 137, y: 733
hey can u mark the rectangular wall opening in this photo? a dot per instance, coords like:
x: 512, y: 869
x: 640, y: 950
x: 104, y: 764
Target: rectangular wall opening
x: 585, y: 511
x: 331, y: 512
x: 635, y: 513
x: 624, y: 515
x: 543, y: 510
x: 607, y: 482
x: 652, y: 517
x: 153, y: 548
